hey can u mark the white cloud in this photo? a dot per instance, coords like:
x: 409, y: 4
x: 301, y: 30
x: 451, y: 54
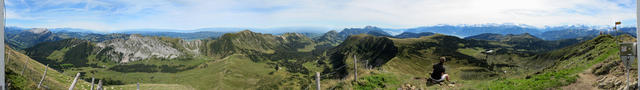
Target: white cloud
x: 191, y: 14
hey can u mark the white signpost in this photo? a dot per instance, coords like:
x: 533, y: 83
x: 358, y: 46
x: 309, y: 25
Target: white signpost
x: 627, y: 54
x: 638, y: 33
x: 2, y: 81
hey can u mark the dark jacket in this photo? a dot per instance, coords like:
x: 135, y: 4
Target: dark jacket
x: 438, y: 70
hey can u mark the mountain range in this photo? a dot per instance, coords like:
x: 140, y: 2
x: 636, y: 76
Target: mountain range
x: 463, y: 30
x: 252, y: 60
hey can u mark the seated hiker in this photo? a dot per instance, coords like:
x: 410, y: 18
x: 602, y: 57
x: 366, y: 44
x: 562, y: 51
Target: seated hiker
x: 438, y: 75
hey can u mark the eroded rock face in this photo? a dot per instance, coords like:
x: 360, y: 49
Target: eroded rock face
x: 138, y: 48
x: 611, y: 75
x: 192, y: 47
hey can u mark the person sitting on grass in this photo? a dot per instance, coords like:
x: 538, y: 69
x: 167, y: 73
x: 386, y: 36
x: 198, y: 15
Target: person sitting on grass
x: 438, y: 75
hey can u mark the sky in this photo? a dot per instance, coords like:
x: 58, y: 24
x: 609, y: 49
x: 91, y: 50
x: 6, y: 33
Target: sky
x: 110, y: 15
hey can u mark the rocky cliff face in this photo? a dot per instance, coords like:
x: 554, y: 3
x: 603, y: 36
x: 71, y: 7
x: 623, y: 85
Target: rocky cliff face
x: 138, y: 48
x: 192, y: 47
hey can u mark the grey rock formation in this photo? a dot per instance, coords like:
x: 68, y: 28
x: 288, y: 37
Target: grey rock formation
x: 137, y: 48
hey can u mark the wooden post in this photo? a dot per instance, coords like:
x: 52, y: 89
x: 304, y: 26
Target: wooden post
x: 367, y: 65
x: 318, y: 80
x: 99, y: 84
x: 92, y: 80
x: 43, y: 75
x: 75, y: 80
x: 24, y: 67
x: 355, y: 68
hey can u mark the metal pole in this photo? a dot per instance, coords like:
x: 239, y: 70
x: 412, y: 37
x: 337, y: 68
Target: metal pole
x: 638, y: 39
x: 43, y: 75
x: 318, y: 81
x: 2, y: 76
x: 75, y: 80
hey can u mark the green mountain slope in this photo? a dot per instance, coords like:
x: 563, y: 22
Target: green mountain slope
x: 287, y: 53
x: 413, y: 35
x: 527, y: 41
x: 371, y: 30
x: 564, y: 65
x: 28, y: 78
x: 330, y: 38
x: 405, y: 59
x: 251, y: 42
x: 372, y: 50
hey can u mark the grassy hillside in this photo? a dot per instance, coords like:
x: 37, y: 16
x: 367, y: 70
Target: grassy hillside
x: 233, y: 72
x: 330, y: 38
x: 567, y: 63
x: 467, y: 65
x: 527, y: 42
x: 28, y: 78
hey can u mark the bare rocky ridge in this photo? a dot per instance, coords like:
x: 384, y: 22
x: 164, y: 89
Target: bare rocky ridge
x: 139, y: 48
x: 611, y: 75
x: 192, y: 47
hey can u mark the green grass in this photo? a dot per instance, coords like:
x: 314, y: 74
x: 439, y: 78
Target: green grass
x: 58, y: 55
x: 28, y: 80
x: 234, y: 72
x: 376, y: 81
x: 151, y: 87
x: 18, y: 82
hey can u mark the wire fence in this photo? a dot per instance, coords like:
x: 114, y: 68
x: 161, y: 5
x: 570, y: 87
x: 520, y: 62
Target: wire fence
x: 31, y: 71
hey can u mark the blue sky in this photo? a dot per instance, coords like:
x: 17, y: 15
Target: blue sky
x: 109, y: 15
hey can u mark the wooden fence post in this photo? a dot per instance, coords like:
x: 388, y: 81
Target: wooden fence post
x: 355, y: 68
x: 99, y: 84
x: 318, y: 80
x: 43, y: 75
x: 92, y: 79
x: 75, y: 80
x: 138, y: 84
x: 24, y: 67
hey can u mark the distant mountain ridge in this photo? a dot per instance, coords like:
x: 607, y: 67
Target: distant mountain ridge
x: 528, y: 41
x: 546, y: 33
x: 366, y: 30
x: 28, y: 38
x: 413, y: 35
x: 25, y: 38
x: 469, y: 30
x: 21, y: 38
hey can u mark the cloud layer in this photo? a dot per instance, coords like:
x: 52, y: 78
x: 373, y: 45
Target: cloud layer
x: 108, y: 15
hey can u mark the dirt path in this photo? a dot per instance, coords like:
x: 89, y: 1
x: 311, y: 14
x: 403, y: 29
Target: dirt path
x: 585, y: 82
